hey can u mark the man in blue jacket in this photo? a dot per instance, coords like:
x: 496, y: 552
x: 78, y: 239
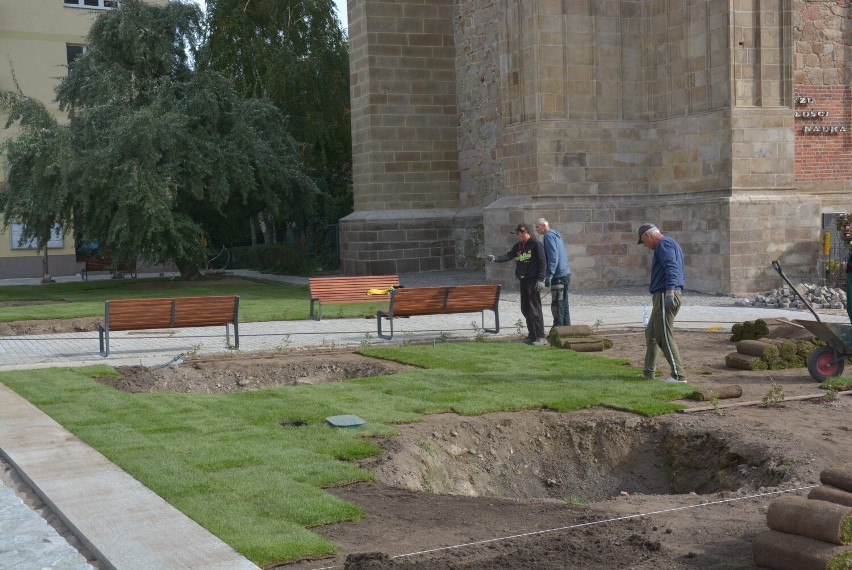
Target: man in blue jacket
x: 665, y: 288
x: 558, y: 273
x: 530, y: 269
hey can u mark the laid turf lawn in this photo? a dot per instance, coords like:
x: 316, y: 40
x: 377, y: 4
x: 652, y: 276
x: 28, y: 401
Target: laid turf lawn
x: 260, y: 300
x: 226, y: 462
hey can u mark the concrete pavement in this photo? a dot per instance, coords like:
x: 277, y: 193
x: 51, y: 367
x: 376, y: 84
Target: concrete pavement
x: 126, y: 525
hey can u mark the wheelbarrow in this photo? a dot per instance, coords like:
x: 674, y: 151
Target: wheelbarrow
x: 826, y: 361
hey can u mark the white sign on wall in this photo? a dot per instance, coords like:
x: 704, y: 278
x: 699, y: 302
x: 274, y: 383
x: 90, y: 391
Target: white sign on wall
x: 57, y: 237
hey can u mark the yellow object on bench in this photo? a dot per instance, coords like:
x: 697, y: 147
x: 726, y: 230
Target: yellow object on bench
x: 379, y: 291
x: 413, y: 301
x: 169, y: 313
x: 344, y: 290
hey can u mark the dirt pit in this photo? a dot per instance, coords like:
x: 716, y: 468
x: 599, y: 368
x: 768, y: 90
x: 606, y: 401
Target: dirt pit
x: 241, y: 374
x: 596, y: 488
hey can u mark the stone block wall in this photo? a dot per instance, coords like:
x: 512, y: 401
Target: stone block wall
x: 405, y: 241
x: 403, y: 93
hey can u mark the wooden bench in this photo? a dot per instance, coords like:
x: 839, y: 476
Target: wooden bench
x: 174, y: 313
x: 103, y: 264
x: 412, y: 301
x: 344, y: 290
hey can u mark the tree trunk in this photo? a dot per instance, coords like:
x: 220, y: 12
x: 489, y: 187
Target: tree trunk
x: 253, y: 227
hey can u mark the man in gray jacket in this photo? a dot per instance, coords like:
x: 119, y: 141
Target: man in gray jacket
x: 558, y: 273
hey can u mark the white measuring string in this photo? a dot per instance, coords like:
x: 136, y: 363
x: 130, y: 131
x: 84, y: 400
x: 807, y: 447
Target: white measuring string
x: 592, y: 523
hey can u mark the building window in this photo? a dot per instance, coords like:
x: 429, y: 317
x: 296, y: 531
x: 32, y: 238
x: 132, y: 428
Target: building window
x: 73, y: 51
x: 94, y: 4
x: 57, y: 237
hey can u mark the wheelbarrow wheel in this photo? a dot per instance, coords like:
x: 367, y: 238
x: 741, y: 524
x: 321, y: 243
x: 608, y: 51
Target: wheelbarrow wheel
x: 823, y: 363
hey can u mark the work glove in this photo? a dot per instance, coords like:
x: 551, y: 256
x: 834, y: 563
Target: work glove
x: 491, y: 258
x: 539, y: 286
x: 669, y: 299
x: 547, y: 282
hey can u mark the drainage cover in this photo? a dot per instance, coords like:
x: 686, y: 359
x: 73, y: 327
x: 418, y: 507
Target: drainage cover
x: 345, y: 421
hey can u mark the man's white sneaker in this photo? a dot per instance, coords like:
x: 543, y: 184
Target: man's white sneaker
x: 540, y: 342
x: 675, y: 380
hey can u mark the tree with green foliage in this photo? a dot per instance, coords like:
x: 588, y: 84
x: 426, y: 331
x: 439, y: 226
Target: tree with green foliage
x: 154, y: 146
x: 295, y: 53
x: 37, y: 161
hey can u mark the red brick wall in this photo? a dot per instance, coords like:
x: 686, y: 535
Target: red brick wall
x: 823, y: 155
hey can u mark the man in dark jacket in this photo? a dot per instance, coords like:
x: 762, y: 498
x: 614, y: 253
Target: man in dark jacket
x: 530, y: 269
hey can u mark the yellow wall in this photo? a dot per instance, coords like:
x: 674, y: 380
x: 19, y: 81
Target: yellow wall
x: 33, y: 38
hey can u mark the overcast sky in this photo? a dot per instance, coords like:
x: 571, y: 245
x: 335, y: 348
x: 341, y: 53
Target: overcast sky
x: 341, y: 12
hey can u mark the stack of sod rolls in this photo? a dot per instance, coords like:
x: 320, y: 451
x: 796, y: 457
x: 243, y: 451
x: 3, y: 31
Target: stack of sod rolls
x: 813, y: 533
x: 578, y: 338
x: 770, y: 344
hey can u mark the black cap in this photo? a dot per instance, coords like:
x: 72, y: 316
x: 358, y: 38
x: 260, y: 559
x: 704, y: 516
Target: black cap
x: 644, y: 228
x: 519, y: 229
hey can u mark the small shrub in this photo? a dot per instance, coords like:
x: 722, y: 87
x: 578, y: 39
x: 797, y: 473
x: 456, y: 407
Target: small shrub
x: 774, y: 397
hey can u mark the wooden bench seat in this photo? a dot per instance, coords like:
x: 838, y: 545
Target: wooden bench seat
x: 169, y: 313
x: 345, y: 290
x: 413, y: 301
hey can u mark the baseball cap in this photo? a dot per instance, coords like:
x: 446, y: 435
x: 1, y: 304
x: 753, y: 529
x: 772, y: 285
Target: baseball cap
x: 644, y: 228
x: 520, y: 228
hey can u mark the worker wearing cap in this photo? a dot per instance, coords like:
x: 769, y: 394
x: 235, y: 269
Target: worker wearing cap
x: 665, y: 288
x: 531, y: 270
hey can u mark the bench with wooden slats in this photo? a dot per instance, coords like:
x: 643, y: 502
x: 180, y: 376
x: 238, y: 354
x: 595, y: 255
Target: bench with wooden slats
x: 103, y: 264
x: 344, y: 290
x: 173, y: 313
x: 413, y: 301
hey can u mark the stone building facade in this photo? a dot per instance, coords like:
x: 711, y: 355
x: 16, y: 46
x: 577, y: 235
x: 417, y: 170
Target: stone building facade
x: 725, y: 123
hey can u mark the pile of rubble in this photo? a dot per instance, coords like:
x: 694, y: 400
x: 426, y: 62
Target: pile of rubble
x: 819, y: 296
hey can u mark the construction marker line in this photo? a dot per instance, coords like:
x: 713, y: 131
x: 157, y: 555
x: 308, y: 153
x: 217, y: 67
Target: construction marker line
x: 592, y: 523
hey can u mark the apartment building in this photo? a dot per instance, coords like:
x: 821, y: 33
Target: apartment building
x: 38, y: 39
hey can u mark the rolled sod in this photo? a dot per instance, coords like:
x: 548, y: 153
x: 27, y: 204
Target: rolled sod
x: 745, y: 362
x: 782, y: 551
x: 832, y: 495
x: 840, y: 477
x: 720, y: 393
x: 764, y: 350
x: 819, y: 520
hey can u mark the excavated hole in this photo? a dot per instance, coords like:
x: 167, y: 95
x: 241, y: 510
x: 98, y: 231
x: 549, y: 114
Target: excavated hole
x: 541, y: 455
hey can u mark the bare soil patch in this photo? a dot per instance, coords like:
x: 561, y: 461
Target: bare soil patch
x: 548, y: 480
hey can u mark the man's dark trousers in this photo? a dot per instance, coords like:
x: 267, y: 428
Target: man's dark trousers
x: 559, y: 300
x: 531, y: 309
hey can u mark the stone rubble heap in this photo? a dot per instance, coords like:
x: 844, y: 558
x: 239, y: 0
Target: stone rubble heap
x: 819, y: 296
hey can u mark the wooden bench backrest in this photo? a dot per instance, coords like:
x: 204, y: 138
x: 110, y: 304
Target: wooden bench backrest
x: 350, y: 289
x: 439, y: 300
x: 205, y: 311
x: 419, y: 301
x: 138, y: 314
x: 472, y: 298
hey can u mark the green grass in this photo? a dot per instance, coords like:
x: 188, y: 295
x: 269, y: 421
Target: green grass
x: 225, y: 461
x: 260, y: 300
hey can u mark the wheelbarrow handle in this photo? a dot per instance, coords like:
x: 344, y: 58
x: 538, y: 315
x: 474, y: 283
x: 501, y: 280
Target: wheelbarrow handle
x: 776, y: 265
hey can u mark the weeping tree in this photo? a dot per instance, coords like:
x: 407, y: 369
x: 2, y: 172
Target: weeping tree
x: 35, y: 163
x: 294, y: 53
x: 155, y: 146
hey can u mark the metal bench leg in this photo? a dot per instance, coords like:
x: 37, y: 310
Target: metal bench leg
x: 236, y: 335
x: 103, y: 338
x: 319, y: 305
x: 379, y: 315
x: 496, y: 328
